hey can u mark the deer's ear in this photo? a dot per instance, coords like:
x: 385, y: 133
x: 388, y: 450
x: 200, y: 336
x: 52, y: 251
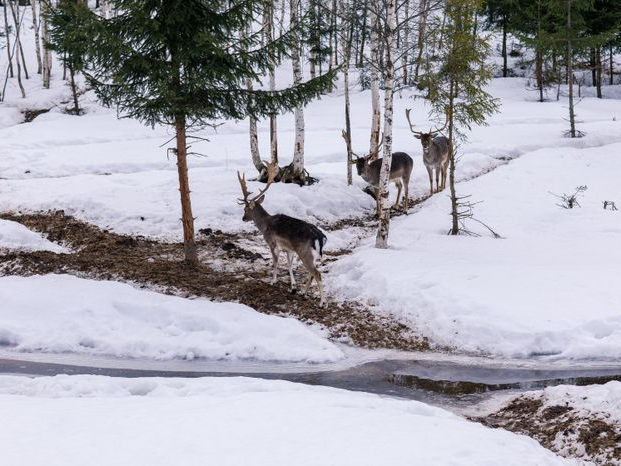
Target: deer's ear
x: 417, y: 136
x: 260, y: 200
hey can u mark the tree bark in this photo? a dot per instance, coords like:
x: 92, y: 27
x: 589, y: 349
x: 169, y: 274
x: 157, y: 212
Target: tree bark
x: 598, y: 71
x: 297, y: 174
x: 35, y: 26
x: 570, y: 74
x: 375, y: 100
x: 381, y: 240
x: 505, y: 68
x: 187, y: 219
x: 47, y: 56
x: 268, y: 37
x: 422, y: 25
x: 8, y: 39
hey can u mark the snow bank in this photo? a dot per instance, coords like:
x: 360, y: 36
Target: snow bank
x: 61, y: 313
x: 15, y: 236
x: 239, y: 421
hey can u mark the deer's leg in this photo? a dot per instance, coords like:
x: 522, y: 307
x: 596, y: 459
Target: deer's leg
x: 399, y: 185
x: 406, y: 182
x: 438, y: 169
x: 309, y: 262
x: 275, y: 254
x: 290, y: 262
x: 430, y: 173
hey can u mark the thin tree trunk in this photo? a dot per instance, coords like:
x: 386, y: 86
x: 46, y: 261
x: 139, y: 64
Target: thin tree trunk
x: 406, y: 44
x: 17, y: 19
x: 253, y: 131
x: 611, y: 58
x: 598, y: 71
x: 187, y: 219
x: 451, y: 134
x: 381, y: 240
x: 297, y: 174
x: 570, y: 74
x: 422, y: 25
x: 268, y: 37
x: 505, y: 68
x: 539, y: 55
x: 35, y: 26
x: 364, y: 36
x: 8, y: 38
x: 74, y: 90
x: 346, y: 43
x: 47, y: 56
x: 375, y: 100
x: 17, y: 48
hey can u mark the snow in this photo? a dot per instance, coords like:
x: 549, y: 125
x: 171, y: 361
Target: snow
x: 67, y: 420
x: 65, y: 314
x: 15, y: 236
x: 599, y: 401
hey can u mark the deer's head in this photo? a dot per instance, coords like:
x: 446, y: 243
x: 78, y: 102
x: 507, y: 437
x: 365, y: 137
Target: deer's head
x: 425, y: 138
x: 250, y: 204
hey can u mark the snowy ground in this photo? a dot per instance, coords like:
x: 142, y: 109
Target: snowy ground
x: 237, y: 421
x: 547, y: 288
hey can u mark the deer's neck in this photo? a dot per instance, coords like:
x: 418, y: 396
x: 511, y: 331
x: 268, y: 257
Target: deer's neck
x: 260, y: 217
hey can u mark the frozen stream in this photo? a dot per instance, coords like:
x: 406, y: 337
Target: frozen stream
x: 451, y: 383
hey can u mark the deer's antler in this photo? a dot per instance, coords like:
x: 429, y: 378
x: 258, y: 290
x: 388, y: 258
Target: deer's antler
x: 271, y: 174
x: 407, y: 115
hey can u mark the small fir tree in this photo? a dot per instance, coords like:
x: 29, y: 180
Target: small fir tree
x: 457, y: 85
x: 185, y: 63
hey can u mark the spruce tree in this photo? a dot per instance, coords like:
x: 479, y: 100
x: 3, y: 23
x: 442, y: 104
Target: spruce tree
x: 184, y: 63
x: 457, y: 85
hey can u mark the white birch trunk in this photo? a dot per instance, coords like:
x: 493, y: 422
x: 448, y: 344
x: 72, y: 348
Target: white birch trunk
x: 406, y: 62
x: 47, y: 56
x: 298, y: 152
x: 253, y: 132
x: 381, y: 241
x: 375, y: 100
x: 422, y: 25
x: 268, y: 36
x: 17, y: 47
x: 35, y: 26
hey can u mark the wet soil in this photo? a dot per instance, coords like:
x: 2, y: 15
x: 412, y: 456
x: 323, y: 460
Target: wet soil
x: 232, y: 268
x: 567, y: 431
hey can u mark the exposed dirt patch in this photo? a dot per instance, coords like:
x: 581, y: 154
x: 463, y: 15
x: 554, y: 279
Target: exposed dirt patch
x: 567, y: 431
x: 232, y: 268
x: 30, y: 115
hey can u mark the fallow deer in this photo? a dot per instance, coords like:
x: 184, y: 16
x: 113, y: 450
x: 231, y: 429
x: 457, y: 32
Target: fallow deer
x: 400, y: 172
x: 284, y: 233
x: 435, y: 153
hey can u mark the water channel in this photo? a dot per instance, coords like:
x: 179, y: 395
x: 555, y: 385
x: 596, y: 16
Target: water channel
x: 450, y: 382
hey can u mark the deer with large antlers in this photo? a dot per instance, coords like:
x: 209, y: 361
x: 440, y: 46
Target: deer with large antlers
x: 400, y: 171
x: 435, y: 153
x: 284, y: 233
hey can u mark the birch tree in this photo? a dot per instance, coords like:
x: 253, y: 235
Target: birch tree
x: 374, y: 71
x: 381, y: 240
x: 35, y: 27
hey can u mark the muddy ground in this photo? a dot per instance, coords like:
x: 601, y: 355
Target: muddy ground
x: 233, y: 267
x: 565, y: 430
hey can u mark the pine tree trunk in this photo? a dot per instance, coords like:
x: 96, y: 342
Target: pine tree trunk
x: 74, y: 90
x: 8, y: 38
x: 598, y: 71
x: 47, y: 56
x: 451, y: 134
x: 187, y: 219
x: 346, y: 43
x: 35, y: 26
x: 381, y: 240
x: 375, y: 99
